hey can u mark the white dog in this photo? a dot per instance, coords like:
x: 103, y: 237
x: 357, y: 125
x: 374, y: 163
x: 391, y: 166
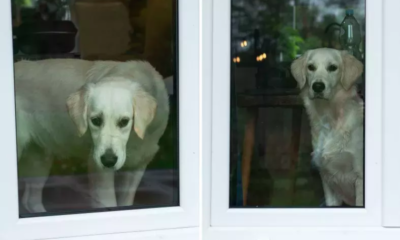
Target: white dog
x: 85, y: 110
x: 326, y: 78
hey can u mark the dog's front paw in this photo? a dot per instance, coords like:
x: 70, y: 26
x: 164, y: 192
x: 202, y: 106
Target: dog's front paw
x: 33, y: 207
x: 333, y: 201
x: 103, y: 203
x: 32, y: 200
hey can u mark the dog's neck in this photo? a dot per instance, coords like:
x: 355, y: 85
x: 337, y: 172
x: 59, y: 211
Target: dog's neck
x: 332, y: 110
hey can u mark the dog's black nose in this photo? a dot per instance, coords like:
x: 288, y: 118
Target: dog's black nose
x: 109, y: 159
x: 318, y: 87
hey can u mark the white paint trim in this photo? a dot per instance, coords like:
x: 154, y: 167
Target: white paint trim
x: 313, y: 233
x: 206, y: 120
x: 172, y: 234
x: 391, y: 114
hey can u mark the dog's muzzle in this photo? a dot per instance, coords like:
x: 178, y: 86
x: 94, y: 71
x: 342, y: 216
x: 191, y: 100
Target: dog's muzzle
x: 318, y: 87
x: 109, y: 159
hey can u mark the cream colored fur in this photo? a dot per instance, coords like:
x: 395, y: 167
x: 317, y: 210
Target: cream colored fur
x: 56, y: 101
x: 336, y: 117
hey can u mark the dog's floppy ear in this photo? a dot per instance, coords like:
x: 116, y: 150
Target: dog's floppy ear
x: 298, y: 69
x: 352, y: 70
x: 77, y: 109
x: 144, y: 109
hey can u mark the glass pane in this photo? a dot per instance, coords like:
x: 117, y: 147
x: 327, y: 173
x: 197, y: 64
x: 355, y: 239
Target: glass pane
x: 297, y: 90
x: 95, y: 131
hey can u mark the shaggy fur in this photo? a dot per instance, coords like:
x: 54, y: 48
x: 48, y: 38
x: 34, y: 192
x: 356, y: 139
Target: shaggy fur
x: 336, y: 117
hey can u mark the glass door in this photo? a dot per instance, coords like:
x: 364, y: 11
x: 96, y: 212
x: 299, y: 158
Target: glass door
x: 95, y: 127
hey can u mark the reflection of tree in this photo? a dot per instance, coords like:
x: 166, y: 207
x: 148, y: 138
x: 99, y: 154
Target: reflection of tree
x: 22, y: 2
x: 282, y: 34
x: 265, y: 15
x: 289, y: 43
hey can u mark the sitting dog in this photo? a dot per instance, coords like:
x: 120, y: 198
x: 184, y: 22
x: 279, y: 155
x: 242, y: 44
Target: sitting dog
x: 327, y: 79
x: 110, y: 114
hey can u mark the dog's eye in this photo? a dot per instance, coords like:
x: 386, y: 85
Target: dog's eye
x: 332, y: 68
x: 123, y: 122
x: 311, y: 67
x: 97, y: 121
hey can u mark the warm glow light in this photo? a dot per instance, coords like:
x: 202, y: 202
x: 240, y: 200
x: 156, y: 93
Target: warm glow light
x: 261, y: 57
x: 238, y: 59
x: 234, y: 60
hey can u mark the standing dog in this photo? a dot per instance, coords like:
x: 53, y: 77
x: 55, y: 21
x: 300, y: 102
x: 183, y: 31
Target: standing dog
x: 111, y: 114
x: 326, y: 78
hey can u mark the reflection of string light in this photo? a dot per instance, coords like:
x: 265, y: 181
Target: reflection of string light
x: 261, y: 57
x: 243, y: 44
x: 236, y: 59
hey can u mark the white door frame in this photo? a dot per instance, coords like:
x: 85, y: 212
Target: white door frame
x: 130, y: 221
x: 220, y: 222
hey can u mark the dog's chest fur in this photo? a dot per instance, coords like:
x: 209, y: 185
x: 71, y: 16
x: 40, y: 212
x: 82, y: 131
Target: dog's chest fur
x: 324, y: 120
x: 335, y: 137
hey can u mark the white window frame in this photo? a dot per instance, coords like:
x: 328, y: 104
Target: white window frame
x: 133, y: 223
x: 382, y: 208
x: 391, y: 118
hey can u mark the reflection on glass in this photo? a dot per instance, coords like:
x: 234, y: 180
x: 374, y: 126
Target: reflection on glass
x: 96, y: 127
x: 296, y: 118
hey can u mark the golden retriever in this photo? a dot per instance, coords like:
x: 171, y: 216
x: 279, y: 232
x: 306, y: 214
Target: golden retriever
x: 110, y: 114
x: 327, y: 79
